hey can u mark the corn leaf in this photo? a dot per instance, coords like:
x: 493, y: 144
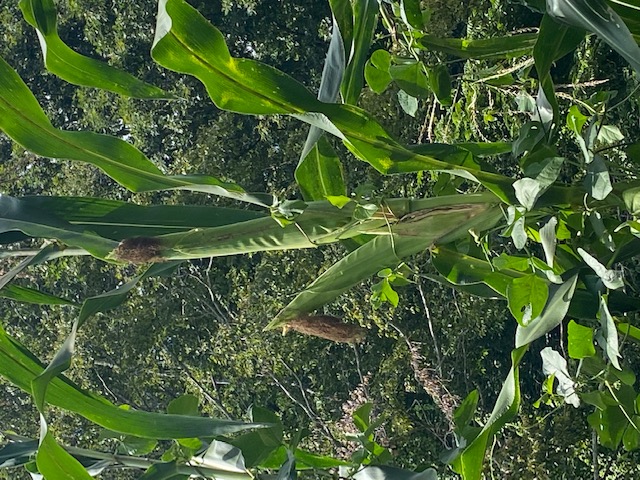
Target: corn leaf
x: 21, y: 367
x: 75, y: 68
x: 24, y: 121
x: 185, y: 42
x: 487, y: 48
x: 598, y: 17
x: 365, y: 19
x: 418, y: 232
x: 14, y: 215
x: 469, y: 462
x: 319, y: 174
x: 55, y: 463
x: 30, y: 295
x: 117, y: 220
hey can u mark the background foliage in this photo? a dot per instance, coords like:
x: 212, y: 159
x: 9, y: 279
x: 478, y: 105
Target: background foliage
x: 200, y: 331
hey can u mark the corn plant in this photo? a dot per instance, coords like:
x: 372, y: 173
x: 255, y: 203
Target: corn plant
x: 573, y: 224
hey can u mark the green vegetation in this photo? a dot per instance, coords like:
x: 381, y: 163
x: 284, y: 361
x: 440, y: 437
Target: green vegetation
x: 453, y: 240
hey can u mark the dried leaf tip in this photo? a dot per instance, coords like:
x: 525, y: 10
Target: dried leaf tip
x: 327, y: 327
x: 139, y: 250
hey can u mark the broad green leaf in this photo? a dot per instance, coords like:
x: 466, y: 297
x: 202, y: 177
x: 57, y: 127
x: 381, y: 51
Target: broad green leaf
x: 376, y: 71
x: 320, y: 174
x: 184, y: 405
x: 259, y: 445
x: 362, y: 416
x: 75, y: 68
x: 610, y: 425
x: 516, y: 229
x: 631, y: 437
x: 497, y: 47
x: 411, y: 13
x: 383, y: 292
x: 610, y: 278
x: 598, y: 182
x: 631, y: 197
x: 30, y: 295
x: 599, y: 228
x: 221, y: 456
x: 411, y: 78
x: 173, y: 470
x: 461, y: 269
x: 440, y: 83
x: 607, y: 337
x: 186, y: 42
x: 580, y: 340
x: 529, y: 139
x: 553, y: 364
x: 554, y: 42
x: 552, y: 315
x: 365, y: 20
x: 597, y: 17
x: 527, y: 191
x: 343, y: 15
x: 20, y: 367
x: 527, y: 297
x: 609, y: 134
x: 628, y: 11
x: 408, y: 103
x: 576, y: 121
x: 313, y: 460
x: 546, y: 171
x: 466, y: 410
x: 629, y: 330
x: 55, y: 463
x: 24, y: 121
x: 548, y: 240
x: 162, y: 471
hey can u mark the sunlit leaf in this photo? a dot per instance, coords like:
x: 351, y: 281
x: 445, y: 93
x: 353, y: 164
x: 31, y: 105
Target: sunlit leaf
x: 610, y: 278
x: 408, y: 103
x: 548, y: 240
x: 554, y: 364
x: 392, y: 473
x: 24, y: 121
x: 497, y: 47
x: 597, y: 17
x: 552, y: 315
x: 580, y: 340
x: 365, y: 20
x: 607, y: 337
x: 56, y: 464
x: 527, y: 297
x: 73, y: 67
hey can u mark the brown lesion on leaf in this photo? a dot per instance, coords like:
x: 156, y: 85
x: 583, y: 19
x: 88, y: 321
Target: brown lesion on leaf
x: 327, y: 327
x: 139, y: 250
